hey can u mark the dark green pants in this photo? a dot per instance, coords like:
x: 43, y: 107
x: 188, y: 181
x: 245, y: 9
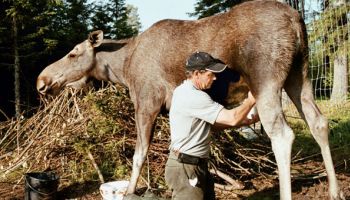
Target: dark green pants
x: 178, y: 176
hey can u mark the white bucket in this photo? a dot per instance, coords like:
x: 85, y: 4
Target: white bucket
x: 115, y: 190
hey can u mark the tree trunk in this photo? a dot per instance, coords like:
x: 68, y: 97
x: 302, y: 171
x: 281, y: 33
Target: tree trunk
x: 302, y: 9
x: 340, y: 79
x: 16, y: 69
x: 340, y: 67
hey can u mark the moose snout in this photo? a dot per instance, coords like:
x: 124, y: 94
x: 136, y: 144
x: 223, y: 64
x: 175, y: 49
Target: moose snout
x: 43, y: 84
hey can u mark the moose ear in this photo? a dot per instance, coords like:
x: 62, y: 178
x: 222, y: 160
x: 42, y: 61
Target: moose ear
x: 95, y: 38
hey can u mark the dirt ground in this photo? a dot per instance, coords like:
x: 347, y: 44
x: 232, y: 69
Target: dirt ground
x: 257, y: 189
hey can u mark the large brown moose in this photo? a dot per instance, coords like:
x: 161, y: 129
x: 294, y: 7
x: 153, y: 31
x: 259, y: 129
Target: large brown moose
x: 263, y: 40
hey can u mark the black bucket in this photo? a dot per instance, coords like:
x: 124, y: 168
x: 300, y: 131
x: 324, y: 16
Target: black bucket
x: 41, y: 186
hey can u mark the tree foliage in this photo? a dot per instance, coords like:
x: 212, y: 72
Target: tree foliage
x: 206, y: 8
x: 113, y: 18
x: 25, y: 25
x: 329, y: 32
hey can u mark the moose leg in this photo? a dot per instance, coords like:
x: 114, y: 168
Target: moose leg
x: 144, y: 119
x: 269, y: 106
x: 300, y: 92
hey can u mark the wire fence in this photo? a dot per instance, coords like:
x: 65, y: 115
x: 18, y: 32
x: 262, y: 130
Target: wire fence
x: 328, y: 35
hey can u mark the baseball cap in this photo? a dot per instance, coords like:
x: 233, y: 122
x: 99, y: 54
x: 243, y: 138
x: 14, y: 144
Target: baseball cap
x: 204, y: 61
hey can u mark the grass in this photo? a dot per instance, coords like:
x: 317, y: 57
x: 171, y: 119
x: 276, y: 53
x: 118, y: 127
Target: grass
x: 338, y: 116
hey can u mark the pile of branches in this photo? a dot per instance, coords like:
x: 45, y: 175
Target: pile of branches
x: 92, y: 137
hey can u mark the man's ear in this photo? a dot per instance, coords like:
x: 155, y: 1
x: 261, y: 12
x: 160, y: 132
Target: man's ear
x: 95, y: 38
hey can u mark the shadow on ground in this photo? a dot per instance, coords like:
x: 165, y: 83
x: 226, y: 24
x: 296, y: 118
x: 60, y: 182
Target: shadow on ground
x: 78, y: 190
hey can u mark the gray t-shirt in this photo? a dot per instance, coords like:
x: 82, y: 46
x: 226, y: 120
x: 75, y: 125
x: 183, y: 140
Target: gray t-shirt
x: 191, y: 115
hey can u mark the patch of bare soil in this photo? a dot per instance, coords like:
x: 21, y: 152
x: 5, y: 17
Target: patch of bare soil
x: 268, y: 189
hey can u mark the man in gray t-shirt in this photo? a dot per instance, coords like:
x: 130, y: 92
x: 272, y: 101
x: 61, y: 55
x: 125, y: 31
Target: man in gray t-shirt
x: 192, y: 113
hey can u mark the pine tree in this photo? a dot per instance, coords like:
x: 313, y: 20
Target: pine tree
x: 113, y: 18
x: 205, y: 8
x: 23, y: 38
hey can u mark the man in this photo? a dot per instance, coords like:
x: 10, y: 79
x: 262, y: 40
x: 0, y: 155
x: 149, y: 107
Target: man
x: 192, y: 113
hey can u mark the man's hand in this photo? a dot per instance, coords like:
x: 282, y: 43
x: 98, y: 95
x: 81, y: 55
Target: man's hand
x: 252, y: 116
x: 237, y: 116
x: 250, y: 99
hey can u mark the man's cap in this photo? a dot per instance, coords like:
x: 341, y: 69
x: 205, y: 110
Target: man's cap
x: 204, y: 61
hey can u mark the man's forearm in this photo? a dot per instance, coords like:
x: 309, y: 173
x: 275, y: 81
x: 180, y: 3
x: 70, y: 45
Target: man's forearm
x: 240, y: 113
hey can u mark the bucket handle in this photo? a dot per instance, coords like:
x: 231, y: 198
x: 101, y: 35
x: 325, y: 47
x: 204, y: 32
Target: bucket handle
x: 42, y: 193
